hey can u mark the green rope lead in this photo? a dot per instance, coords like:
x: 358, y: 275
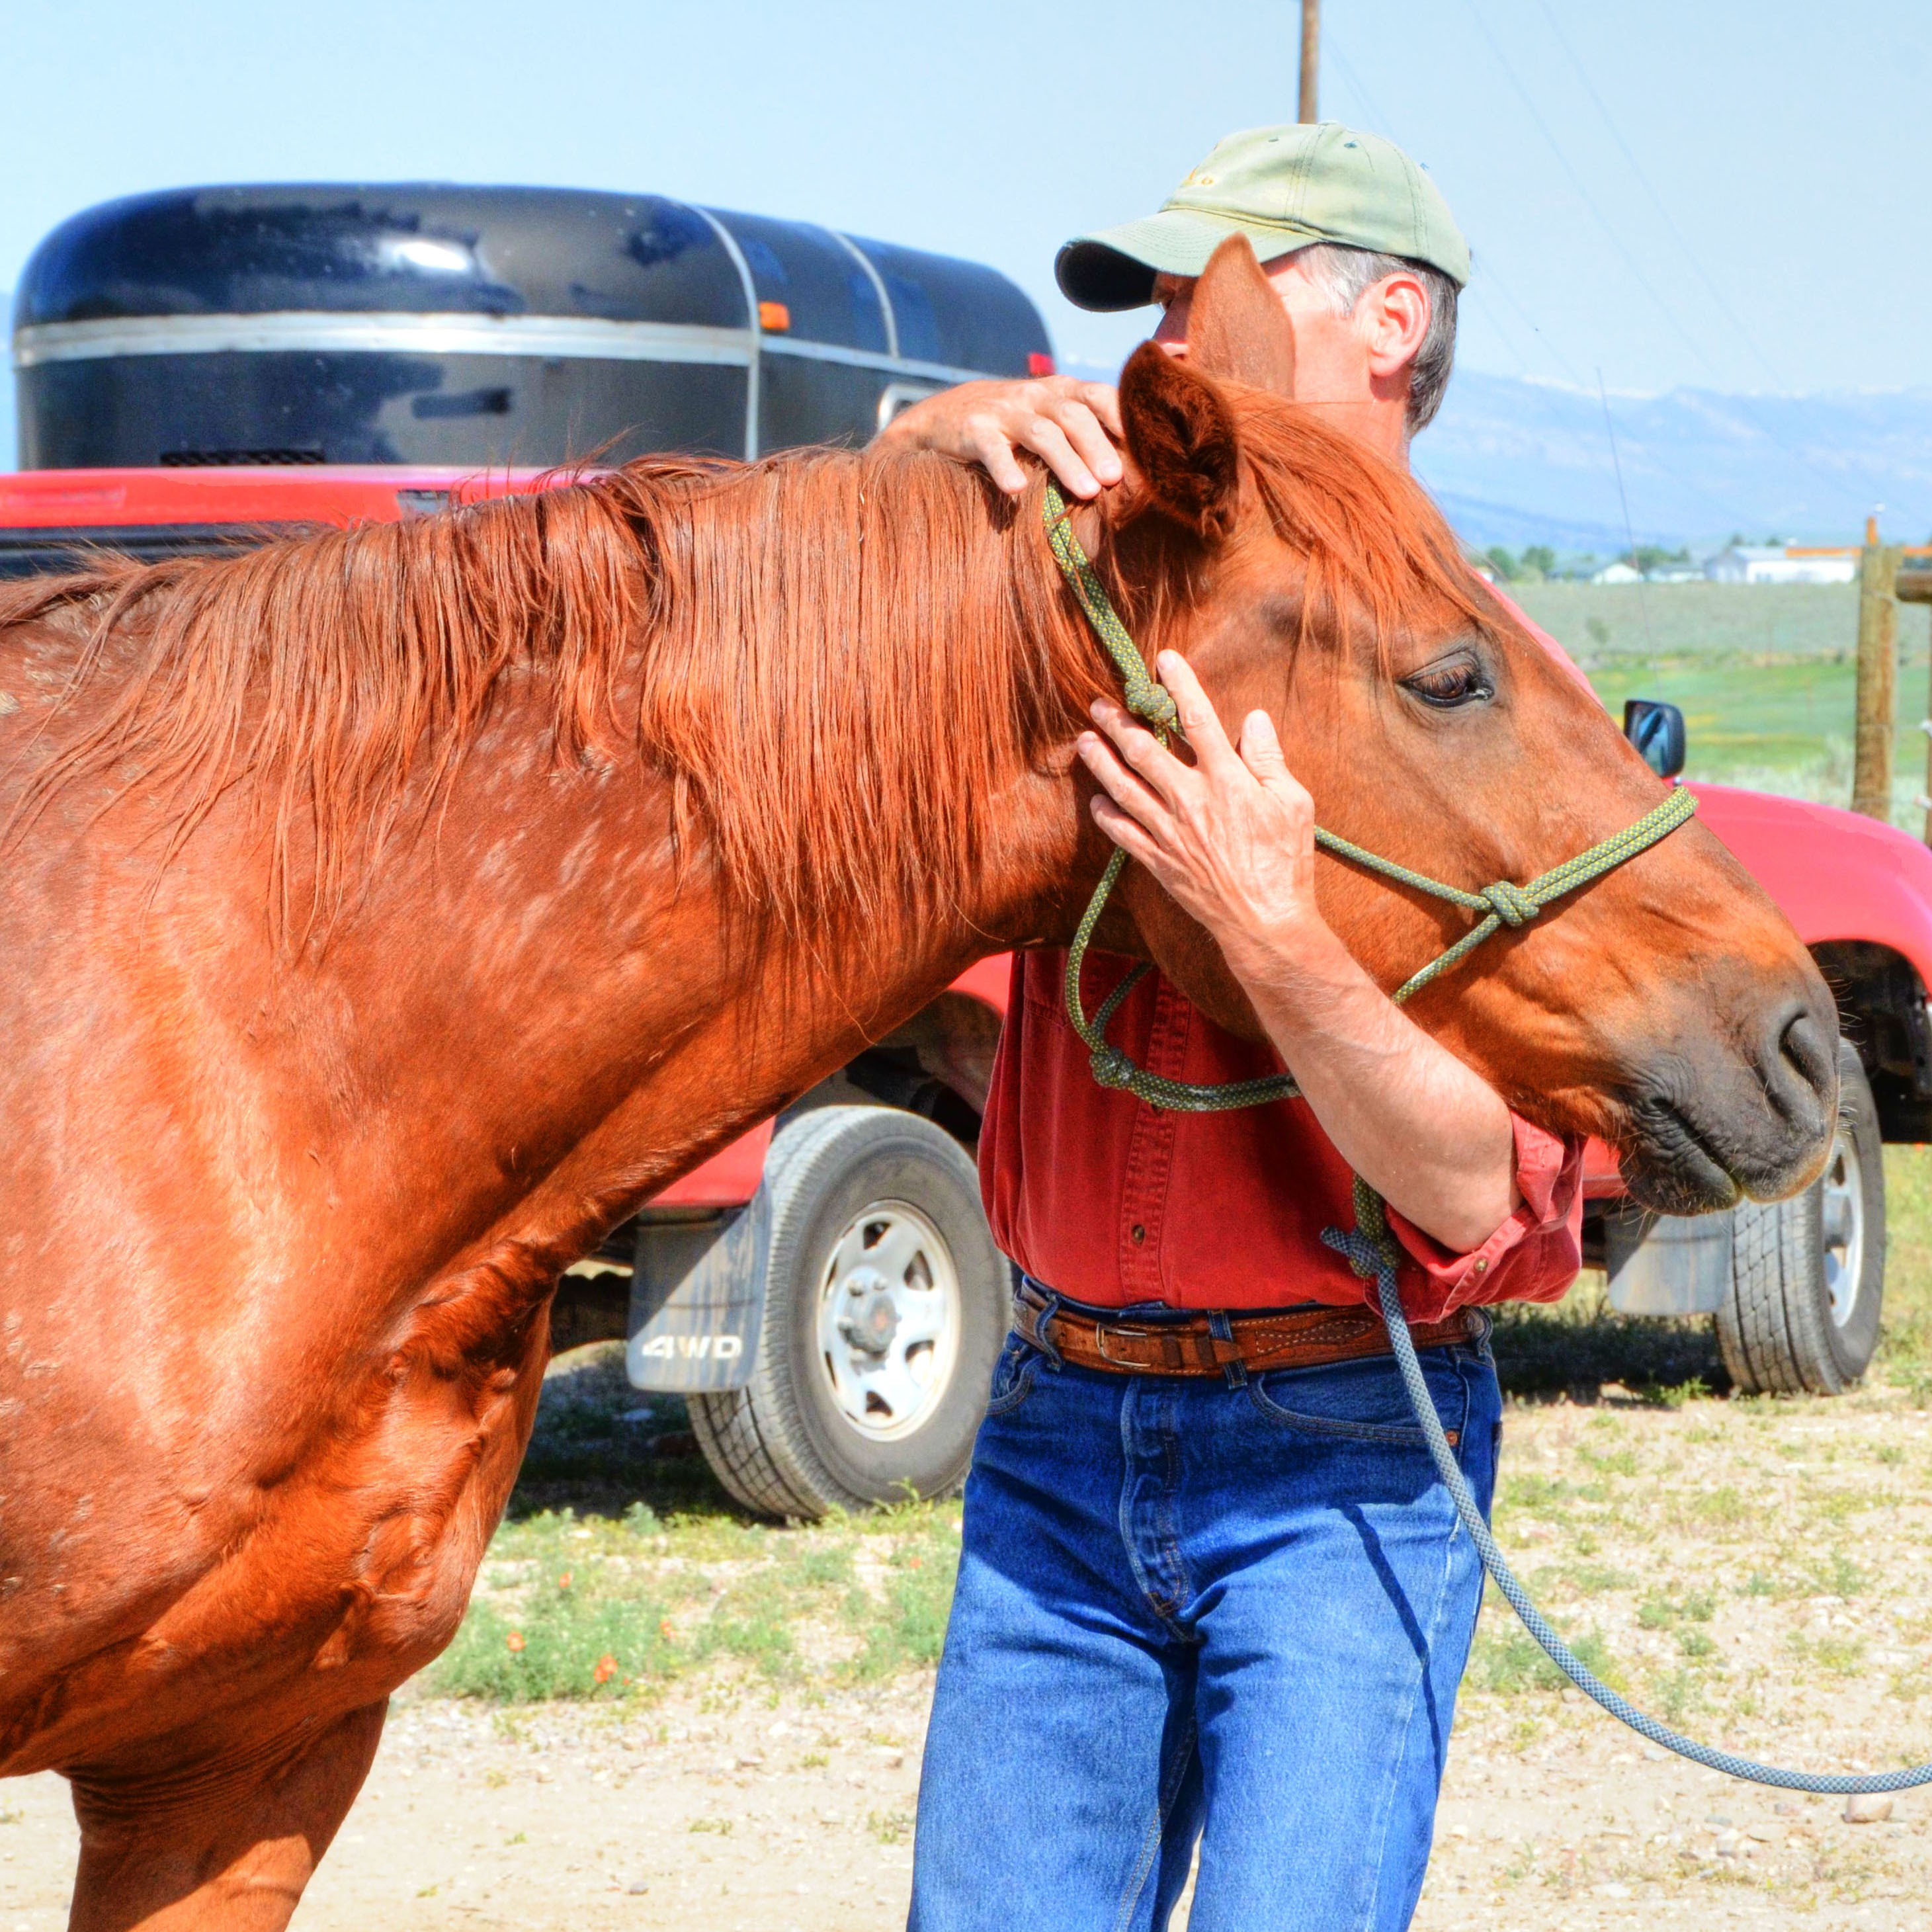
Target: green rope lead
x: 1370, y: 1247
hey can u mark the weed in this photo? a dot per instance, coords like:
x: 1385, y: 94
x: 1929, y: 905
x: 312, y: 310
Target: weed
x: 1837, y: 1576
x: 1675, y: 1395
x: 889, y: 1828
x: 1836, y: 1656
x: 517, y: 1838
x: 1697, y: 1643
x: 815, y: 1761
x: 1677, y: 1693
x: 912, y: 1629
x: 1534, y: 1495
x: 1514, y: 1663
x: 1593, y: 1579
x: 722, y: 1826
x: 1660, y: 1612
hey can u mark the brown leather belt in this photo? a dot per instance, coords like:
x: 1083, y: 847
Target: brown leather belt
x: 1210, y: 1344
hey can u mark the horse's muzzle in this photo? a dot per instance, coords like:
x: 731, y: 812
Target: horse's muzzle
x: 1711, y: 1120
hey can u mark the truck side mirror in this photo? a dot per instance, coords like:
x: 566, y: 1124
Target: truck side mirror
x: 1657, y: 730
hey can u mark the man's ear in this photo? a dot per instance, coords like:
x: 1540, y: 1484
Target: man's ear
x: 1180, y: 434
x: 1236, y: 325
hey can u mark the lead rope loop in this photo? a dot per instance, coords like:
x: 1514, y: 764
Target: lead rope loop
x: 1370, y: 1247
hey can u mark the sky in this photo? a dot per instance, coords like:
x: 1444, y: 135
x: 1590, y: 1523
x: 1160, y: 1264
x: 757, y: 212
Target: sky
x: 1712, y: 195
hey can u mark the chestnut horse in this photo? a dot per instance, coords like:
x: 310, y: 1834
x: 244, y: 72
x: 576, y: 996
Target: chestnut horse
x: 387, y: 912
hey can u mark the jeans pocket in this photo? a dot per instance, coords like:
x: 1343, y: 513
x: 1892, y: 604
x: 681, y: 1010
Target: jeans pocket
x: 1013, y: 1375
x: 1360, y: 1401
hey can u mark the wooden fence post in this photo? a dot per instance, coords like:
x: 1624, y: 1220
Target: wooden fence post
x: 1878, y: 677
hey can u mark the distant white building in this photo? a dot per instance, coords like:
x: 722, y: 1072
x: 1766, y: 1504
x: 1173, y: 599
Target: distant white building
x: 1616, y: 573
x: 1782, y: 563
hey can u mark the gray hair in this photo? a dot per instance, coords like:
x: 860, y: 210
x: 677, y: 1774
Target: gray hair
x: 1346, y: 274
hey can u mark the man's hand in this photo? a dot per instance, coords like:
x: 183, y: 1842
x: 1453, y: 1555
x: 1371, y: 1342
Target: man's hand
x: 1072, y: 426
x: 1230, y: 837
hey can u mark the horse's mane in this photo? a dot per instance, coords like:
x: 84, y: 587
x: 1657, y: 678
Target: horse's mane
x: 840, y: 660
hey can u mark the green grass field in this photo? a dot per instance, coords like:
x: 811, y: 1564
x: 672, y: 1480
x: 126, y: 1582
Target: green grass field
x: 1765, y: 676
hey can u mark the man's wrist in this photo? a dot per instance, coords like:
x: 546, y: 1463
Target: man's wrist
x: 1289, y: 958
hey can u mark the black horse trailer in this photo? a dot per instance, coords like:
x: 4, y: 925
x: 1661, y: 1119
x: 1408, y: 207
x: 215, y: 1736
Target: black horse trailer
x: 437, y: 324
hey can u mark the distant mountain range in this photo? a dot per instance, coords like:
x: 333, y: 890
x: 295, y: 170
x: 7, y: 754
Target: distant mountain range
x: 1514, y: 463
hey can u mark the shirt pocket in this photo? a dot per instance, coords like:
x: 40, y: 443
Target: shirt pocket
x: 1361, y: 1401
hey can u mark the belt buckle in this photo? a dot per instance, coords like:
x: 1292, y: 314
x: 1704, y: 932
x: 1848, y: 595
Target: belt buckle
x: 1170, y: 1358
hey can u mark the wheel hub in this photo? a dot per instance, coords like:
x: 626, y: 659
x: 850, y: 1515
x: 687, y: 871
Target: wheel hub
x: 870, y: 1317
x: 889, y: 1319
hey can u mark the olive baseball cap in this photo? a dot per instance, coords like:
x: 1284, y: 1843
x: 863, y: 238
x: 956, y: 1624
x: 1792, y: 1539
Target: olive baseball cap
x: 1284, y: 188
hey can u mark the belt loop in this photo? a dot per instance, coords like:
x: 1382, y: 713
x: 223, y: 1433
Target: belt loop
x: 1042, y: 1324
x: 1223, y: 1330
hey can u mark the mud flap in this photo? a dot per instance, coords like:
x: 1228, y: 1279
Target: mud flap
x: 1661, y: 1264
x: 697, y: 1300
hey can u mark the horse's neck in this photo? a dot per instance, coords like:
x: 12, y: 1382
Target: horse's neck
x: 562, y: 1013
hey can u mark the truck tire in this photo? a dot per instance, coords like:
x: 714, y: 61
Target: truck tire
x: 1807, y: 1274
x: 886, y: 1306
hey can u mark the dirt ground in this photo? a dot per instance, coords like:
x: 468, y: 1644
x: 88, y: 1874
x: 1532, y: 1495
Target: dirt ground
x: 1760, y: 1570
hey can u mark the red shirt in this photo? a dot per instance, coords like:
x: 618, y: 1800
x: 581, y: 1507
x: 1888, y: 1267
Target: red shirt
x: 1112, y: 1201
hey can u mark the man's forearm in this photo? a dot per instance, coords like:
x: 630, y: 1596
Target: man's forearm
x: 1428, y: 1133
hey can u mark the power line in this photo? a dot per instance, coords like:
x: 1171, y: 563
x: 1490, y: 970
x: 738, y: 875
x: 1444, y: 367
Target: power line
x: 1656, y: 200
x: 1492, y: 279
x: 1695, y: 260
x: 1630, y: 535
x: 1387, y: 128
x: 1583, y: 194
x: 1381, y: 124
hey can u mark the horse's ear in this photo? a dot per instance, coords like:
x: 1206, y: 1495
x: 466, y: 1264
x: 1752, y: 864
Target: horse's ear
x: 1181, y: 433
x: 1236, y: 325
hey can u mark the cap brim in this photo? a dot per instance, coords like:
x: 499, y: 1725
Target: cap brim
x: 1114, y: 269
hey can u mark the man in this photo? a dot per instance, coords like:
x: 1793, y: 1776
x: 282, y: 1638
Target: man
x: 1230, y: 1605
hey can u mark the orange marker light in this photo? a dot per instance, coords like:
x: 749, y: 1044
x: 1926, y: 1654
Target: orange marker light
x: 774, y: 317
x: 1038, y: 365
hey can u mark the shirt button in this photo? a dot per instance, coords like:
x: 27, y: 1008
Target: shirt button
x: 1139, y: 1233
x: 1481, y: 1266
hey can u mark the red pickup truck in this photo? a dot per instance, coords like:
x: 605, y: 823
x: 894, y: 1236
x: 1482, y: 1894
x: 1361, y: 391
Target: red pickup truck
x: 825, y: 1291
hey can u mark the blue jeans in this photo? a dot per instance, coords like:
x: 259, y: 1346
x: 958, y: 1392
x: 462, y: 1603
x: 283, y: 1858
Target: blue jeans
x: 1187, y: 1611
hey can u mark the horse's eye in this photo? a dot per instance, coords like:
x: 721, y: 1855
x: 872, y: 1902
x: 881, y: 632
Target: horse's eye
x: 1460, y: 681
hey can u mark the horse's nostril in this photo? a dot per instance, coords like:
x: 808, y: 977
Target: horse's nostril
x: 1803, y: 1046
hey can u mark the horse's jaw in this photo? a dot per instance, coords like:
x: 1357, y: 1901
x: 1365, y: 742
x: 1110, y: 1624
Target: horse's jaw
x: 1150, y: 926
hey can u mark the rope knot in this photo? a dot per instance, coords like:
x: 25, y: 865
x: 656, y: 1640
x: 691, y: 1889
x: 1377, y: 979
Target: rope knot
x: 1364, y: 1256
x: 1510, y: 903
x: 1112, y: 1068
x: 1152, y: 703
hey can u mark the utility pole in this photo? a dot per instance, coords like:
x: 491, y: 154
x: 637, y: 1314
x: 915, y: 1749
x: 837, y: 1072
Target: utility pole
x: 1311, y: 56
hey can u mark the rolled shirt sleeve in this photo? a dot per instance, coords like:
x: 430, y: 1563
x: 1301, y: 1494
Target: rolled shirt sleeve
x: 1534, y: 1254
